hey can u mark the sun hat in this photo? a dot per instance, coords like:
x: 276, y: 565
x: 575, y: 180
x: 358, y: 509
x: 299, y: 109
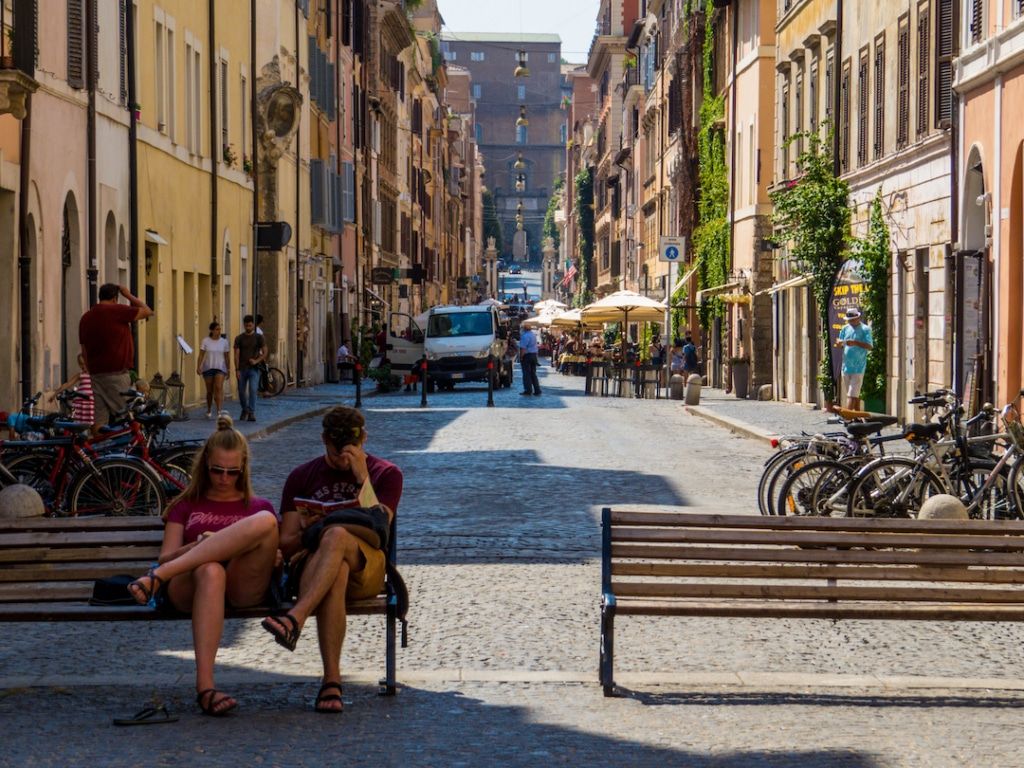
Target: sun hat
x: 852, y: 313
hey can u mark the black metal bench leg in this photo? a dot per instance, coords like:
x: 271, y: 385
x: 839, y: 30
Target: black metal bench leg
x: 388, y: 686
x: 607, y: 670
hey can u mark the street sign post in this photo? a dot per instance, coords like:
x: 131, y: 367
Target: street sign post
x: 671, y: 250
x: 382, y: 276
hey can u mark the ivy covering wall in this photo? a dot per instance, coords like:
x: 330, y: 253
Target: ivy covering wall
x: 554, y: 204
x: 584, y: 205
x: 711, y: 238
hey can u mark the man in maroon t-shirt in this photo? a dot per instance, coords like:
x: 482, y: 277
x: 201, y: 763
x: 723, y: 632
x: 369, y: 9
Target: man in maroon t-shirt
x: 105, y: 333
x: 344, y: 566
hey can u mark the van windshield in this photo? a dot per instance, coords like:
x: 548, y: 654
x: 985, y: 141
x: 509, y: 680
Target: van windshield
x: 460, y: 324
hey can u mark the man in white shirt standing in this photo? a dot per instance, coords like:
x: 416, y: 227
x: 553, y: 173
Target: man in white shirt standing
x: 528, y: 360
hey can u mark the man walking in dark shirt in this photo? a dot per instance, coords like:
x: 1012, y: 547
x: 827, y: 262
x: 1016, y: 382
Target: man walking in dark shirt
x: 250, y: 351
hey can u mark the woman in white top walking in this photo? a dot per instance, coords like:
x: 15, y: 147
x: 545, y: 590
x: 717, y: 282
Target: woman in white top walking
x: 214, y: 365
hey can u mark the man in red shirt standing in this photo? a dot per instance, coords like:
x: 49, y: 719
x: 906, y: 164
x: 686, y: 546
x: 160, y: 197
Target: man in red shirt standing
x: 105, y: 333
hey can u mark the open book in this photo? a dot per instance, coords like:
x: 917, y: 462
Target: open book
x: 314, y: 509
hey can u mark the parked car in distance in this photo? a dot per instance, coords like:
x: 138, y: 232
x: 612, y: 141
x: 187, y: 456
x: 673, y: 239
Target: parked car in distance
x: 515, y: 269
x: 502, y: 266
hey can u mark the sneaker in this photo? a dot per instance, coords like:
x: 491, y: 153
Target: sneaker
x: 244, y: 414
x: 209, y: 415
x: 251, y: 416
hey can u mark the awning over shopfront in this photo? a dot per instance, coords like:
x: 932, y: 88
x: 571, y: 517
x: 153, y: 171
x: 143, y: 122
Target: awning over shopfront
x: 793, y: 282
x: 154, y: 237
x: 685, y: 278
x: 707, y: 292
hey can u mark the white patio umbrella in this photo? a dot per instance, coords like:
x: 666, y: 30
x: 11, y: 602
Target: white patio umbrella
x: 622, y: 306
x: 549, y: 305
x: 570, y: 319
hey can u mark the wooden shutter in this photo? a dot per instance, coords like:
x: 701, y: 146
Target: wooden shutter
x: 923, y: 69
x: 903, y: 95
x: 76, y: 44
x: 944, y: 50
x: 977, y: 20
x: 844, y: 117
x: 122, y: 41
x: 878, y: 146
x: 862, y: 108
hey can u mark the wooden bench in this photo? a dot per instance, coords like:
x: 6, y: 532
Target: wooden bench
x: 48, y: 566
x: 669, y: 564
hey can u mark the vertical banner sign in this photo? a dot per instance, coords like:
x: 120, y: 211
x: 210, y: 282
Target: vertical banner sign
x: 846, y: 294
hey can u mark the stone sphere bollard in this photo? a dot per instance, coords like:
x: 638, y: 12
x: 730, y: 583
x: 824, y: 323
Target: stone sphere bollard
x: 675, y: 387
x: 942, y: 506
x: 20, y: 501
x: 693, y: 385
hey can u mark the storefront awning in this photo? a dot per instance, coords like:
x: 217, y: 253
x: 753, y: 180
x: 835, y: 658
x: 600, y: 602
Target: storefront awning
x: 685, y: 278
x: 373, y: 295
x: 154, y: 237
x: 793, y: 282
x: 701, y: 295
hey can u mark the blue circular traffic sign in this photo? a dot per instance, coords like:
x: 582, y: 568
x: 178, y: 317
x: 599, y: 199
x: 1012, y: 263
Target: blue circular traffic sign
x: 671, y: 253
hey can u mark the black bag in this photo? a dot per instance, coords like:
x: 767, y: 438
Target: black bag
x: 112, y: 590
x: 370, y: 524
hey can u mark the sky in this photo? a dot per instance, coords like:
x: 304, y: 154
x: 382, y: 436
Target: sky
x: 573, y: 20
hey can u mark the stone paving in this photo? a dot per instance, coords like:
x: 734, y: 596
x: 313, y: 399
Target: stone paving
x: 499, y: 541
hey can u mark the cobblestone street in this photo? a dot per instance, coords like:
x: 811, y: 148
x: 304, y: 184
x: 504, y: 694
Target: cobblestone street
x: 499, y: 541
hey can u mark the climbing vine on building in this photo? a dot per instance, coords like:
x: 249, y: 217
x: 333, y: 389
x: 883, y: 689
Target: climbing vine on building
x: 584, y: 206
x: 875, y: 255
x: 554, y: 204
x: 812, y: 218
x: 711, y: 237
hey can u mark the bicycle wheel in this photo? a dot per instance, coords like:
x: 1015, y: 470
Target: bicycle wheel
x: 795, y: 460
x: 998, y: 501
x: 797, y: 496
x: 116, y: 487
x: 895, y: 486
x: 771, y: 466
x: 33, y: 470
x: 177, y: 462
x: 275, y: 382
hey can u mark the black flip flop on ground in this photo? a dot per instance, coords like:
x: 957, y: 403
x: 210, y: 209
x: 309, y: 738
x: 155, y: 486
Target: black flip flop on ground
x: 285, y: 637
x: 321, y: 698
x: 148, y: 716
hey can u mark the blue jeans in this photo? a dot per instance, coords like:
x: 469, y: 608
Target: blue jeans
x: 248, y: 388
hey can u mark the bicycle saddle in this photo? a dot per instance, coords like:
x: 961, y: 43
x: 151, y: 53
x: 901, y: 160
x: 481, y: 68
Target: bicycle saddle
x: 161, y: 419
x: 923, y: 431
x: 865, y: 428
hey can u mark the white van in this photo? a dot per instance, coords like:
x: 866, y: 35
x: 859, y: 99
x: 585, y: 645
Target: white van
x: 457, y: 342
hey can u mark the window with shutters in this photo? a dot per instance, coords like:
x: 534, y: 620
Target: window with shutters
x: 784, y: 125
x: 830, y: 74
x: 924, y: 40
x: 346, y: 22
x: 944, y: 52
x: 224, y: 107
x: 844, y: 118
x: 160, y: 74
x: 243, y: 91
x: 195, y: 120
x: 977, y: 21
x: 878, y: 146
x: 189, y: 138
x: 76, y: 43
x: 122, y: 51
x: 348, y: 206
x: 798, y: 112
x: 812, y: 95
x: 316, y: 192
x: 169, y: 85
x: 1018, y: 9
x: 903, y: 86
x: 863, y: 94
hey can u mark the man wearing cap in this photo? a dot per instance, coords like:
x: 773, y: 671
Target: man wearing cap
x: 855, y: 339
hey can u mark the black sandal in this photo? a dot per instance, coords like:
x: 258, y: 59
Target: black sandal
x: 208, y: 701
x: 150, y: 592
x: 321, y: 698
x: 286, y: 638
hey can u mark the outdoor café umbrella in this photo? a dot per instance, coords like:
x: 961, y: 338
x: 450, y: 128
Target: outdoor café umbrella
x: 549, y: 305
x: 621, y: 307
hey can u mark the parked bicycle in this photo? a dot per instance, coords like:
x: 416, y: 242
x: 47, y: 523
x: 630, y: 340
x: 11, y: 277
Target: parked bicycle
x: 272, y: 380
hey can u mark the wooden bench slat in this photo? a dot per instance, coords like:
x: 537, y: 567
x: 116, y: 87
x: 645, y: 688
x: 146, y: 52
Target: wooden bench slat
x: 816, y: 555
x: 67, y: 571
x: 622, y: 518
x: 44, y: 555
x: 80, y: 538
x: 816, y: 592
x: 79, y: 611
x: 54, y: 524
x: 817, y: 538
x: 851, y: 572
x: 780, y: 610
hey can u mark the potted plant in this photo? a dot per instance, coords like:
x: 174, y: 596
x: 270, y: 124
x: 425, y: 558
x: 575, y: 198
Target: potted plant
x: 740, y: 367
x: 629, y: 62
x: 7, y: 60
x: 137, y: 111
x: 230, y: 158
x: 247, y: 165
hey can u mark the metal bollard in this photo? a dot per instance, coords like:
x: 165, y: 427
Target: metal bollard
x: 490, y: 381
x: 423, y: 377
x: 588, y: 381
x: 357, y: 376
